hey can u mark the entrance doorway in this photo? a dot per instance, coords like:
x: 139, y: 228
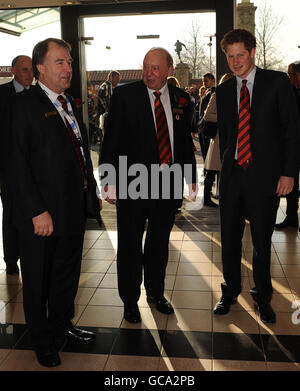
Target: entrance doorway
x: 119, y: 43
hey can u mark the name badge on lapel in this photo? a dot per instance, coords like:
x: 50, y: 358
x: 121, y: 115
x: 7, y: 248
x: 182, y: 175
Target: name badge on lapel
x: 50, y: 113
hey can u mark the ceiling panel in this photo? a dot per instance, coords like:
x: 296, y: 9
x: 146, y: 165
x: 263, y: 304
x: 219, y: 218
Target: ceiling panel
x: 54, y: 3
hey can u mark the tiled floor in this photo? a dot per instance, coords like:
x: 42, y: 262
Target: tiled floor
x: 192, y: 339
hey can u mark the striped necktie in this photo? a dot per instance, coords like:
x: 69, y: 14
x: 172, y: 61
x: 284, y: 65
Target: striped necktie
x: 75, y: 141
x: 163, y: 139
x: 244, y: 157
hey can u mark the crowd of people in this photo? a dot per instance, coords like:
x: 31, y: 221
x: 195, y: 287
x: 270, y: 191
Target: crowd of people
x: 248, y: 128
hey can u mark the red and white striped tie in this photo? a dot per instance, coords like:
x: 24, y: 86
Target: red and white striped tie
x: 163, y: 139
x: 244, y: 157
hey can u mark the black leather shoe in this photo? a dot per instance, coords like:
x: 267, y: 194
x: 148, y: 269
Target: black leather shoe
x: 222, y: 307
x: 12, y: 268
x: 132, y: 313
x: 47, y: 357
x: 266, y: 313
x: 162, y: 304
x: 286, y: 223
x: 81, y: 336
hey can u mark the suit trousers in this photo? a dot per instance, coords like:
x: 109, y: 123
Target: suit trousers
x: 243, y: 199
x: 132, y: 258
x: 10, y: 234
x: 50, y: 269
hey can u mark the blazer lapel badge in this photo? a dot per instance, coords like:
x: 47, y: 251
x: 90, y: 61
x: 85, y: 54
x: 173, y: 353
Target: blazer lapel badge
x: 50, y: 113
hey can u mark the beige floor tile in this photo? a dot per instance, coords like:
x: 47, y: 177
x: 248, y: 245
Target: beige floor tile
x: 82, y: 362
x: 174, y: 256
x: 109, y: 281
x: 151, y: 319
x: 101, y: 316
x: 217, y: 257
x: 131, y: 363
x: 22, y: 360
x: 216, y: 246
x: 175, y: 245
x: 192, y: 299
x: 113, y: 268
x: 291, y: 270
x: 88, y: 243
x: 287, y: 247
x: 236, y: 322
x: 198, y: 236
x: 92, y: 235
x: 280, y: 285
x: 90, y: 280
x: 12, y: 313
x: 106, y: 296
x: 109, y: 235
x: 184, y: 364
x: 217, y: 236
x: 172, y: 268
x: 283, y: 366
x: 196, y: 256
x: 294, y: 284
x: 288, y: 258
x: 94, y: 266
x: 176, y: 235
x: 197, y: 283
x: 190, y: 320
x: 8, y: 292
x: 284, y: 325
x: 169, y: 282
x: 100, y: 254
x: 195, y: 269
x: 232, y: 365
x: 282, y: 302
x: 84, y: 295
x: 106, y: 244
x: 285, y: 237
x: 196, y: 246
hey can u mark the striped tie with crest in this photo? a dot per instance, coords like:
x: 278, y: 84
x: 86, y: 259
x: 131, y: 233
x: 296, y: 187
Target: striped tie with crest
x: 244, y: 157
x: 163, y: 139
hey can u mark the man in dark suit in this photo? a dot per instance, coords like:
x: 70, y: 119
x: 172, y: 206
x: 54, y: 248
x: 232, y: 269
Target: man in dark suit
x: 21, y: 68
x: 54, y: 190
x: 148, y: 125
x: 292, y: 199
x: 259, y: 151
x: 209, y: 83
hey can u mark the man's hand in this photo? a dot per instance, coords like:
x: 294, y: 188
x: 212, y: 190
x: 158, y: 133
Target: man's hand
x: 285, y: 186
x: 43, y: 225
x: 193, y: 190
x: 108, y: 192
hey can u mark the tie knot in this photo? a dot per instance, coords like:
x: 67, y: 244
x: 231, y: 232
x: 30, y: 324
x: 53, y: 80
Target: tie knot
x: 244, y: 82
x: 157, y: 94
